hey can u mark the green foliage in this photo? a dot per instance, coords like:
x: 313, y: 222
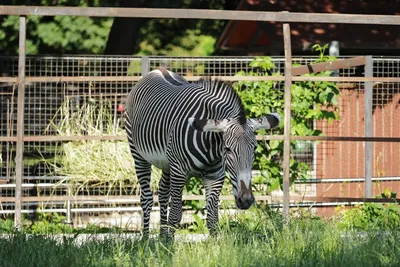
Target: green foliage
x: 260, y: 219
x: 47, y: 223
x: 174, y: 37
x: 194, y: 186
x: 54, y: 223
x: 88, y: 35
x: 199, y: 225
x: 310, y: 101
x: 371, y: 216
x: 193, y: 43
x: 58, y: 34
x: 300, y: 243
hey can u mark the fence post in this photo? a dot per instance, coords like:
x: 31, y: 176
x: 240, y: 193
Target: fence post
x: 287, y: 115
x: 69, y: 221
x: 145, y: 65
x: 19, y: 168
x: 368, y: 95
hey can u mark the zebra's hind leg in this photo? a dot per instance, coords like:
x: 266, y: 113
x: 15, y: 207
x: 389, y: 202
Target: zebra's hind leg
x: 213, y: 186
x: 143, y: 172
x: 164, y: 190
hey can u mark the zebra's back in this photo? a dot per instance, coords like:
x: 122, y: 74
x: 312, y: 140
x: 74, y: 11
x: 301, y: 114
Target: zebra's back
x: 153, y: 107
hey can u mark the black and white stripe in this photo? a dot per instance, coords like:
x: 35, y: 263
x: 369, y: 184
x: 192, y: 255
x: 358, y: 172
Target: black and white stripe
x: 189, y: 129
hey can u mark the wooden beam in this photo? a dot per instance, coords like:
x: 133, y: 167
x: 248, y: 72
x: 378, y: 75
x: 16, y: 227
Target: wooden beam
x: 196, y: 78
x: 332, y: 65
x: 136, y: 199
x: 347, y: 138
x: 19, y: 167
x: 55, y: 138
x: 287, y: 118
x: 368, y: 129
x: 200, y: 14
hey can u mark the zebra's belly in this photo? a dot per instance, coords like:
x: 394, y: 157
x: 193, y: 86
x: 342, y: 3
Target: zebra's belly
x: 158, y: 160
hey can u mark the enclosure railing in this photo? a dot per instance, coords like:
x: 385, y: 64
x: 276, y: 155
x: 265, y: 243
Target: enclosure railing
x: 285, y: 17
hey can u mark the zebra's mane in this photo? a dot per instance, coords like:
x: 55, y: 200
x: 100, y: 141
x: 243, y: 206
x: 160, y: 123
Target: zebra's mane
x: 214, y: 87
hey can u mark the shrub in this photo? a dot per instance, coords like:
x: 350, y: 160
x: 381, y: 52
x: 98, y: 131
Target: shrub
x: 371, y: 216
x: 310, y: 101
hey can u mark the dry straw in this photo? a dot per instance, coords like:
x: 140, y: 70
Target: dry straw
x: 105, y: 165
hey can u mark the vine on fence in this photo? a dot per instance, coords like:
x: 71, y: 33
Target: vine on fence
x: 311, y: 101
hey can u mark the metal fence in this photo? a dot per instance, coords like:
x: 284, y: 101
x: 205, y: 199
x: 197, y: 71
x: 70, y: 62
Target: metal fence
x: 357, y: 111
x: 337, y: 166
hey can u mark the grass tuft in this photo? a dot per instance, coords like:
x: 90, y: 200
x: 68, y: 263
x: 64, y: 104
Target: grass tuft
x: 301, y: 243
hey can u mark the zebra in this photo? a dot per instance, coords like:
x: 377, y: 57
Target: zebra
x: 188, y: 130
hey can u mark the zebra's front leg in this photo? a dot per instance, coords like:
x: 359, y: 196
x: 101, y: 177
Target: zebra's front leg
x: 177, y: 182
x: 213, y: 186
x: 143, y: 172
x: 164, y: 189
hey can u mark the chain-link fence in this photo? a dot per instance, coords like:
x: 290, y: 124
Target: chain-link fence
x: 51, y: 109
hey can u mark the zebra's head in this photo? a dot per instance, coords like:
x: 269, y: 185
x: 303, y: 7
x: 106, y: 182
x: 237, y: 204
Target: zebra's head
x: 239, y: 143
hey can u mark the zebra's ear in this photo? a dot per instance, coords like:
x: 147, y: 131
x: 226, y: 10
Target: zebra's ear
x: 208, y: 125
x: 269, y: 121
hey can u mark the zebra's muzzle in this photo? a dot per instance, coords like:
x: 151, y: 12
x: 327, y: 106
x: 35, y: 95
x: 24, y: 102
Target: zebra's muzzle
x: 245, y: 197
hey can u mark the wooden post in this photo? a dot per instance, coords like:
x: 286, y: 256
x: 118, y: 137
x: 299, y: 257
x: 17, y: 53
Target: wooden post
x: 145, y: 65
x: 287, y: 114
x: 19, y: 168
x: 368, y: 95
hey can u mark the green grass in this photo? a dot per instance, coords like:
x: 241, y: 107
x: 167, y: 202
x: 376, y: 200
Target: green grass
x: 255, y: 238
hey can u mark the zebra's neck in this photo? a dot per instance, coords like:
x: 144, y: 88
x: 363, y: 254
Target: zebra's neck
x: 222, y: 101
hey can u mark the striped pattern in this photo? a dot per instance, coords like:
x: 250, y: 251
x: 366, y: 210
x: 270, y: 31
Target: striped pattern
x: 188, y: 129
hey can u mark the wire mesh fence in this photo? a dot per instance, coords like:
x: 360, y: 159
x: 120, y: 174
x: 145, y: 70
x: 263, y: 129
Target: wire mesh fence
x: 337, y: 168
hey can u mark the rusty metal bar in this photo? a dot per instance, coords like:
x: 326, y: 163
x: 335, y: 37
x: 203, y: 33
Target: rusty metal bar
x: 287, y: 118
x: 332, y: 65
x: 19, y: 168
x: 200, y: 14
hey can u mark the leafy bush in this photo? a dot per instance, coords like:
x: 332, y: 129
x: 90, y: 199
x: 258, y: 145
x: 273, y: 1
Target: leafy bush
x: 310, y: 101
x: 371, y: 216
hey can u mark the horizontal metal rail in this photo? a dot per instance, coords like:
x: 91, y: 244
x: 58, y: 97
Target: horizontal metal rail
x: 308, y: 181
x: 298, y: 70
x: 54, y: 138
x: 346, y: 180
x: 139, y: 209
x: 136, y: 199
x: 200, y: 14
x: 60, y: 79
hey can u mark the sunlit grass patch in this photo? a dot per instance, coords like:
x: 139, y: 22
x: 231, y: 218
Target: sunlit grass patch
x: 302, y: 242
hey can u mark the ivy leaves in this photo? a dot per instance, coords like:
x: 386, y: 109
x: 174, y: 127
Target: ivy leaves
x: 311, y: 101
